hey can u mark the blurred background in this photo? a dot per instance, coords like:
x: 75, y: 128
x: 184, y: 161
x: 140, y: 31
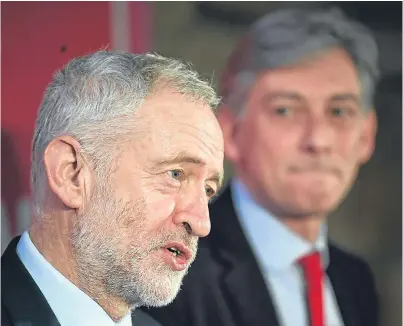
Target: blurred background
x: 39, y: 37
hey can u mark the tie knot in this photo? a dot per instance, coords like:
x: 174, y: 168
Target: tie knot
x: 311, y: 262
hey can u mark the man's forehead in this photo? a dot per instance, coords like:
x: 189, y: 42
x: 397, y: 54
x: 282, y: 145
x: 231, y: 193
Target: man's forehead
x: 296, y: 96
x: 305, y: 81
x: 175, y: 121
x: 175, y: 114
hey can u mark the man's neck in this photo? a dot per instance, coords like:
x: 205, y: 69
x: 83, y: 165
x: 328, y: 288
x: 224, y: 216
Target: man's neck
x: 52, y: 241
x: 308, y: 228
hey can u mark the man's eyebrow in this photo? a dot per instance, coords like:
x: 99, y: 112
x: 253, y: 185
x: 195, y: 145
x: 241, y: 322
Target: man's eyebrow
x: 181, y: 157
x: 346, y: 97
x: 298, y: 97
x: 282, y: 95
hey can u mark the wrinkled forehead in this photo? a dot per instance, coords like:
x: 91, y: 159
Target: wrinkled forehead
x: 173, y: 120
x: 199, y: 135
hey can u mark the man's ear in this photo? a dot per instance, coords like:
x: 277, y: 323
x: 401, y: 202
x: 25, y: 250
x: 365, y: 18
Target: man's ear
x: 368, y: 137
x: 67, y: 172
x: 228, y: 122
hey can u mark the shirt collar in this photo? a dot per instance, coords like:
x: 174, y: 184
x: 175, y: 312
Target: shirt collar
x: 275, y: 245
x: 70, y: 305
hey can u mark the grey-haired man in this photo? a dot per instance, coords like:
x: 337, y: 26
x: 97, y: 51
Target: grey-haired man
x: 298, y: 122
x: 127, y: 151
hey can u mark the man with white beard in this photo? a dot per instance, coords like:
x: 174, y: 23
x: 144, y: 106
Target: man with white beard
x: 126, y: 154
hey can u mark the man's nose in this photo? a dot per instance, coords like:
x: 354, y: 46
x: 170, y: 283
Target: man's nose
x: 193, y: 214
x: 318, y: 136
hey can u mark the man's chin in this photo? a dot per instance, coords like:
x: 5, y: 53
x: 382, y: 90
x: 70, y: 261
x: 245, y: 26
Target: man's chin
x: 160, y: 303
x: 159, y: 287
x: 160, y: 298
x: 315, y: 204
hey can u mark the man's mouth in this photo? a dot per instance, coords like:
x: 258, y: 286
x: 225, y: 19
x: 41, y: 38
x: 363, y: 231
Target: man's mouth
x: 178, y: 249
x: 175, y: 251
x: 315, y: 169
x: 177, y: 255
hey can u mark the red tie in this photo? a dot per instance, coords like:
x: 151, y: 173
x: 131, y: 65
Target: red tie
x: 313, y: 273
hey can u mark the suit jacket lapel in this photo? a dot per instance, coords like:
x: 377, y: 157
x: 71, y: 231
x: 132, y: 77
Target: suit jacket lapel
x: 342, y: 289
x: 250, y: 299
x: 20, y: 294
x: 243, y: 283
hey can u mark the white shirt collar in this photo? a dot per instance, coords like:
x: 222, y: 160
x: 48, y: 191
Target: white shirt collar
x: 274, y: 244
x: 70, y: 305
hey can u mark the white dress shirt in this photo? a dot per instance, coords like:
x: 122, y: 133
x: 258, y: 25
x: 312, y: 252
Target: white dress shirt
x: 277, y: 249
x: 70, y: 305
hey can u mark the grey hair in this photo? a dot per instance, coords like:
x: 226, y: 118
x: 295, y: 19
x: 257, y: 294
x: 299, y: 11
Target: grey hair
x: 286, y: 37
x: 93, y: 96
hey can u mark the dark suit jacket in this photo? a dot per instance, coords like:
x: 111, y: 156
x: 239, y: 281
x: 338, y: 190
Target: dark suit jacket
x: 22, y: 302
x: 225, y: 286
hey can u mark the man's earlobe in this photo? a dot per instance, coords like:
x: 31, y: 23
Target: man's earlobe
x: 64, y: 169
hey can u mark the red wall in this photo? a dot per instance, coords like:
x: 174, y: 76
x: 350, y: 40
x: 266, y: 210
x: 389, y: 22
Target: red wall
x: 37, y: 39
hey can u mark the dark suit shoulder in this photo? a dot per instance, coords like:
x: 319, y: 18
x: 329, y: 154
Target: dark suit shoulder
x: 356, y: 274
x: 141, y: 318
x: 5, y: 317
x: 358, y: 270
x: 21, y: 299
x: 348, y: 260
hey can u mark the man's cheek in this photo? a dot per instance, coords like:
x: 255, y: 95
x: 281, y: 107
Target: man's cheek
x: 160, y: 207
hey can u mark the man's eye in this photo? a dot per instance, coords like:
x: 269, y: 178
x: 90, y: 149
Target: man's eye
x: 282, y: 111
x: 210, y: 192
x: 338, y: 112
x: 176, y: 174
x: 344, y: 112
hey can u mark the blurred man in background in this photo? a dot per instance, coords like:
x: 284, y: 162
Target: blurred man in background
x: 127, y: 152
x: 298, y: 122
